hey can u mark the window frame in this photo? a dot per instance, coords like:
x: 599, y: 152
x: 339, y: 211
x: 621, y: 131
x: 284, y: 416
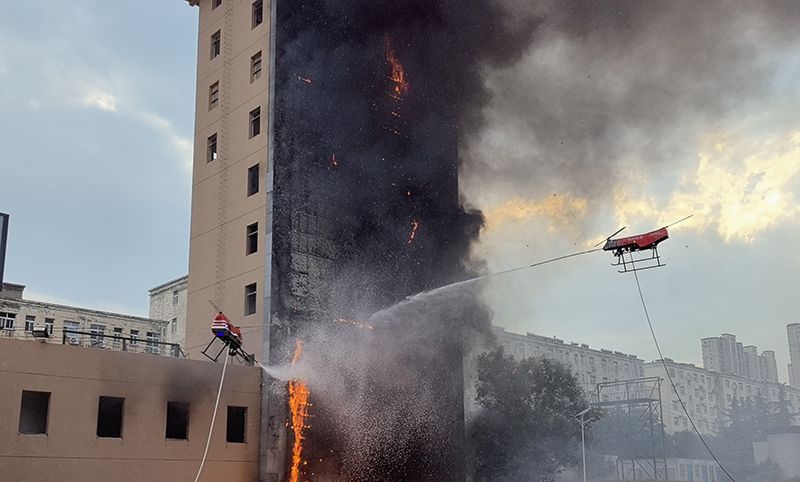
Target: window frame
x: 251, y: 239
x: 32, y: 405
x: 213, y: 96
x: 211, y: 149
x: 257, y: 14
x: 216, y: 44
x: 253, y: 179
x: 250, y: 299
x: 256, y: 59
x: 255, y: 122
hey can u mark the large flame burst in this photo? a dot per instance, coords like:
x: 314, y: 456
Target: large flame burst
x: 398, y: 75
x: 298, y: 404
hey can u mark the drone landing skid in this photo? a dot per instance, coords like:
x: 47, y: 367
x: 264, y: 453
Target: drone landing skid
x: 214, y: 352
x: 645, y: 260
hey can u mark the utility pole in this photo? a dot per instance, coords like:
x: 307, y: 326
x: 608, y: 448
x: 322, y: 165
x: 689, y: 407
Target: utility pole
x: 583, y: 421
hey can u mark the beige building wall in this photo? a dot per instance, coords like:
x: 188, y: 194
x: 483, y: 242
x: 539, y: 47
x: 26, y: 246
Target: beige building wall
x: 168, y: 303
x: 76, y: 378
x: 17, y: 315
x: 219, y: 268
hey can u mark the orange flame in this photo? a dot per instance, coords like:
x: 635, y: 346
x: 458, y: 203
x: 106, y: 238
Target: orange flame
x: 334, y: 161
x: 304, y: 78
x: 413, y: 234
x: 398, y: 75
x: 298, y: 404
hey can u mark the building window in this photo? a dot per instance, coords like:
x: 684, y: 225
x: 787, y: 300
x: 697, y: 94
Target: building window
x: 213, y: 96
x: 211, y: 155
x: 48, y: 325
x: 69, y: 327
x: 215, y: 45
x: 152, y: 342
x: 237, y: 425
x: 33, y: 412
x: 97, y: 332
x: 7, y: 320
x: 134, y: 337
x: 177, y: 420
x: 117, y: 336
x: 109, y: 417
x: 252, y: 180
x: 174, y: 326
x: 252, y: 239
x: 30, y: 320
x: 250, y: 299
x: 255, y: 122
x: 174, y: 297
x: 215, y: 4
x: 255, y: 67
x: 258, y: 13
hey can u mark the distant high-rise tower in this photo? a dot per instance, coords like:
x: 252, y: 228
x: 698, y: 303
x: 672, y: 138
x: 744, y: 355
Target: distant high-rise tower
x: 793, y: 331
x: 723, y: 354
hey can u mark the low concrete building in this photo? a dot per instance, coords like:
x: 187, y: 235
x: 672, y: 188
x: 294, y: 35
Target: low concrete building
x: 590, y: 365
x: 168, y: 303
x: 80, y: 415
x: 708, y: 395
x: 79, y: 326
x: 783, y: 450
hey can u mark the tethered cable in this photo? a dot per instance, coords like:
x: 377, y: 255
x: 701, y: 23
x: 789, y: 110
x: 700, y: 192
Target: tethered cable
x: 672, y: 383
x: 213, y: 417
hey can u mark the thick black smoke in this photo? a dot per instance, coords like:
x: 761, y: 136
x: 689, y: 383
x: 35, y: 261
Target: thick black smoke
x: 367, y: 211
x: 612, y: 90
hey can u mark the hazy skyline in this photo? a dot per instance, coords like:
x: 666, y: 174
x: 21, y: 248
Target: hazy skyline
x: 611, y: 119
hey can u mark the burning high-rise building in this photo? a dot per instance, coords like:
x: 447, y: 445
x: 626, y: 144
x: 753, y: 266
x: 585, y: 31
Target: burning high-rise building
x: 325, y: 188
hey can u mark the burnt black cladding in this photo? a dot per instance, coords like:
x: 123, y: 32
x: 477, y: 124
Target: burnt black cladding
x: 343, y: 226
x: 366, y: 201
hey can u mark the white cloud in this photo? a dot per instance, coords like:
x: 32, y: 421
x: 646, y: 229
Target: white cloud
x: 100, y: 100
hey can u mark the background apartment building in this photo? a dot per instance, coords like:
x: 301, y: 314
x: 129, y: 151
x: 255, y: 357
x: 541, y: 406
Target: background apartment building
x: 229, y: 245
x: 168, y: 303
x: 80, y: 326
x: 723, y: 354
x: 708, y: 395
x: 591, y: 366
x: 793, y: 333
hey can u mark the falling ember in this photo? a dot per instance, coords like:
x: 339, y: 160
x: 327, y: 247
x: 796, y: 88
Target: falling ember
x: 413, y: 233
x: 334, y: 161
x: 408, y: 192
x: 305, y: 79
x: 398, y: 75
x: 298, y: 404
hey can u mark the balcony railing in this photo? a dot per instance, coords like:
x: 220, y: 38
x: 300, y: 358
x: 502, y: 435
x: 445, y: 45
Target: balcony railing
x: 120, y: 343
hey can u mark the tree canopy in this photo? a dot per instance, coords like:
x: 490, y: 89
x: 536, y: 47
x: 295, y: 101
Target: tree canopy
x: 526, y: 428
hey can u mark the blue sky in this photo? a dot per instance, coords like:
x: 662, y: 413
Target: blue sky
x: 98, y: 102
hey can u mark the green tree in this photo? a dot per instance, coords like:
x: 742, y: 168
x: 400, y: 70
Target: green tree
x: 526, y: 429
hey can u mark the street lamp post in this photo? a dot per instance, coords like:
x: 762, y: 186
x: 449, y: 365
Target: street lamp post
x: 583, y: 421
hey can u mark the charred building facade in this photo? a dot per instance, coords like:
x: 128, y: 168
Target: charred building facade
x: 326, y: 189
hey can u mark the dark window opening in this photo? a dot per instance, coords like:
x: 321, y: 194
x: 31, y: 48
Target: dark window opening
x: 237, y: 425
x: 252, y: 239
x: 48, y: 324
x: 109, y: 417
x: 255, y: 122
x: 177, y: 420
x: 212, y: 155
x: 252, y: 180
x: 258, y: 13
x: 215, y: 44
x: 30, y: 320
x: 250, y: 299
x: 215, y: 4
x: 33, y: 412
